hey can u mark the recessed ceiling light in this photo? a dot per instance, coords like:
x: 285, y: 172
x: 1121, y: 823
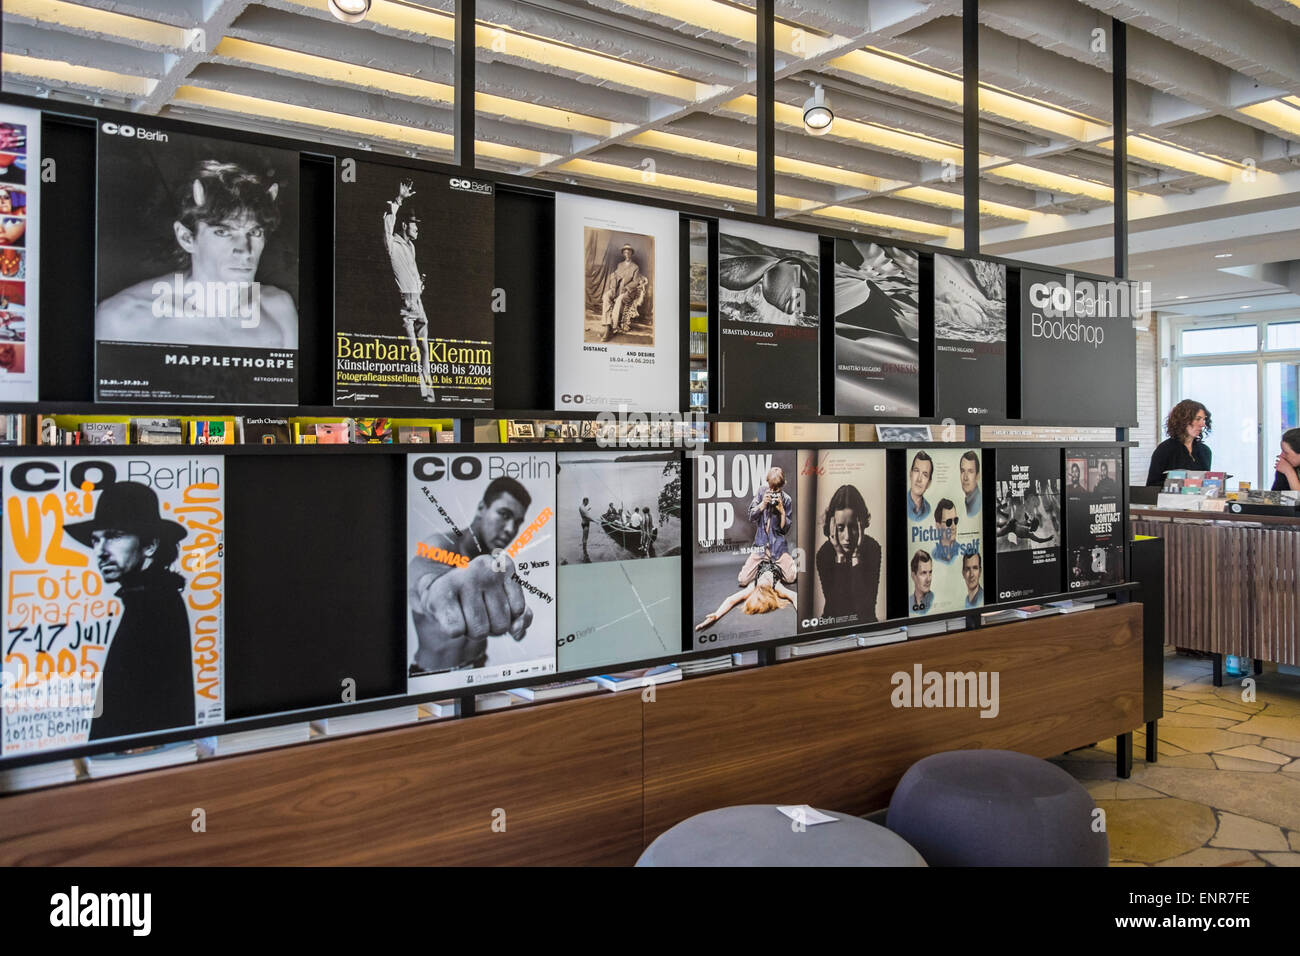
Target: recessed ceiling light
x: 1223, y: 255
x: 350, y: 11
x: 1180, y: 297
x: 1245, y: 307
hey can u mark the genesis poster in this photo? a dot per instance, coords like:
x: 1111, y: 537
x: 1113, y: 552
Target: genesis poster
x: 616, y: 306
x: 20, y: 253
x: 1029, y: 530
x: 970, y: 339
x: 196, y: 269
x: 480, y: 536
x: 877, y: 329
x: 768, y: 315
x: 1094, y: 530
x: 114, y: 576
x: 620, y: 547
x: 413, y: 319
x: 842, y: 522
x: 1077, y: 346
x: 746, y: 566
x: 945, y: 531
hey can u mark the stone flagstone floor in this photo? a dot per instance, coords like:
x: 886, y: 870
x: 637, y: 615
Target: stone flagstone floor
x: 1226, y: 788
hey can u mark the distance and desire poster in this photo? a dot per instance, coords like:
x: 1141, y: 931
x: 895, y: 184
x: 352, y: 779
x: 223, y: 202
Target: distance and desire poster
x: 114, y: 581
x: 616, y: 306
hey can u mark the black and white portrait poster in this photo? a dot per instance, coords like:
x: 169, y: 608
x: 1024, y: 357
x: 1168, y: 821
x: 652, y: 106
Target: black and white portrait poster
x: 196, y: 269
x: 877, y: 329
x: 769, y: 303
x: 970, y: 338
x: 945, y: 530
x: 480, y: 536
x: 620, y: 547
x: 114, y: 581
x: 20, y: 253
x: 1030, y: 534
x: 842, y: 522
x: 616, y: 305
x: 413, y: 289
x: 1094, y: 529
x: 747, y: 548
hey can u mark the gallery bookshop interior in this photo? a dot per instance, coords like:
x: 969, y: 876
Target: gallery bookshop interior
x: 850, y: 432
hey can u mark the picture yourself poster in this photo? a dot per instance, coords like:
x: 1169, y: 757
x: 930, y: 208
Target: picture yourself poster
x: 481, y: 557
x: 877, y: 329
x: 842, y: 521
x: 413, y: 289
x: 20, y: 252
x: 945, y: 530
x: 114, y: 575
x: 616, y: 305
x: 768, y: 317
x: 970, y: 338
x: 620, y: 546
x: 1094, y: 530
x: 746, y: 550
x: 196, y: 269
x: 1030, y: 534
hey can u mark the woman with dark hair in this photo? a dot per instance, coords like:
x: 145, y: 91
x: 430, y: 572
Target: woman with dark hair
x: 1184, y: 448
x: 848, y: 562
x: 1285, y: 475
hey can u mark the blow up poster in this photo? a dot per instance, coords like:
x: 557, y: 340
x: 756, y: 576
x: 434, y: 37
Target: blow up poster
x: 945, y: 531
x: 113, y: 597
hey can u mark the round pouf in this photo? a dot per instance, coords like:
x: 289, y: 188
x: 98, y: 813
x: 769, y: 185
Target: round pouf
x: 996, y: 808
x: 761, y: 835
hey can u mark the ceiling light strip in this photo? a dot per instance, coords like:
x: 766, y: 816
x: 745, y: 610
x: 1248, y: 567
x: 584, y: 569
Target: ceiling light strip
x: 103, y: 23
x: 57, y: 73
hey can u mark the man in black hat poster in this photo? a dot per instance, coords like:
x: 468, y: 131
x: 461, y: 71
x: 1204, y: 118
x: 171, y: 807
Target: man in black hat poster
x: 619, y: 287
x: 148, y: 680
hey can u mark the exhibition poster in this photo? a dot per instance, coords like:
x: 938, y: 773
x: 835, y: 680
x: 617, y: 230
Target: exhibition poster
x: 620, y: 566
x: 1029, y: 530
x: 746, y: 551
x: 842, y: 522
x: 877, y: 329
x: 970, y: 339
x: 20, y: 253
x: 769, y: 307
x: 617, y: 306
x: 1094, y: 528
x: 413, y: 288
x: 481, y: 543
x: 196, y: 269
x: 945, y: 530
x: 114, y: 580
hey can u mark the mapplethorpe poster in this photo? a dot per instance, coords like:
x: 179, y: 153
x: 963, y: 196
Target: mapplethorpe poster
x: 945, y: 530
x: 20, y: 252
x: 114, y: 582
x: 620, y: 547
x: 877, y: 329
x: 480, y: 538
x: 616, y: 305
x: 196, y: 269
x: 970, y: 338
x: 768, y: 311
x: 413, y: 316
x: 1029, y: 528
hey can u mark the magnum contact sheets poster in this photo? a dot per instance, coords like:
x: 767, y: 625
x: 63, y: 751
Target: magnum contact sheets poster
x: 970, y: 338
x: 1094, y: 529
x: 114, y: 581
x: 768, y: 312
x: 1029, y: 529
x: 481, y: 540
x: 616, y: 305
x: 413, y: 319
x: 746, y: 550
x: 877, y: 329
x: 20, y: 250
x: 620, y: 546
x: 196, y: 269
x: 945, y: 531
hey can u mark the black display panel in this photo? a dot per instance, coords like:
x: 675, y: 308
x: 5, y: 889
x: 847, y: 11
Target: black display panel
x: 1030, y: 532
x: 970, y: 339
x: 525, y: 273
x: 1078, y: 349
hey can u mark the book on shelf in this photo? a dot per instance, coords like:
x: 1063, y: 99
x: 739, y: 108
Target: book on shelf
x: 825, y: 645
x: 708, y: 665
x: 877, y: 638
x: 1019, y: 613
x: 1072, y: 607
x: 13, y: 429
x: 926, y: 628
x: 642, y: 677
x: 744, y: 659
x: 265, y: 431
x: 370, y: 720
x: 38, y: 775
x: 225, y: 745
x: 372, y: 431
x: 157, y: 431
x: 556, y: 690
x: 414, y: 435
x: 494, y: 700
x: 217, y: 431
x: 437, y: 709
x: 104, y: 433
x: 142, y: 758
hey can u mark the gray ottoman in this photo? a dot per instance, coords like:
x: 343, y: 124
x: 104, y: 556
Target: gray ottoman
x: 996, y: 808
x: 760, y: 835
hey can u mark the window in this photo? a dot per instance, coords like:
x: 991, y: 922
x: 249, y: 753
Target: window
x: 1241, y: 338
